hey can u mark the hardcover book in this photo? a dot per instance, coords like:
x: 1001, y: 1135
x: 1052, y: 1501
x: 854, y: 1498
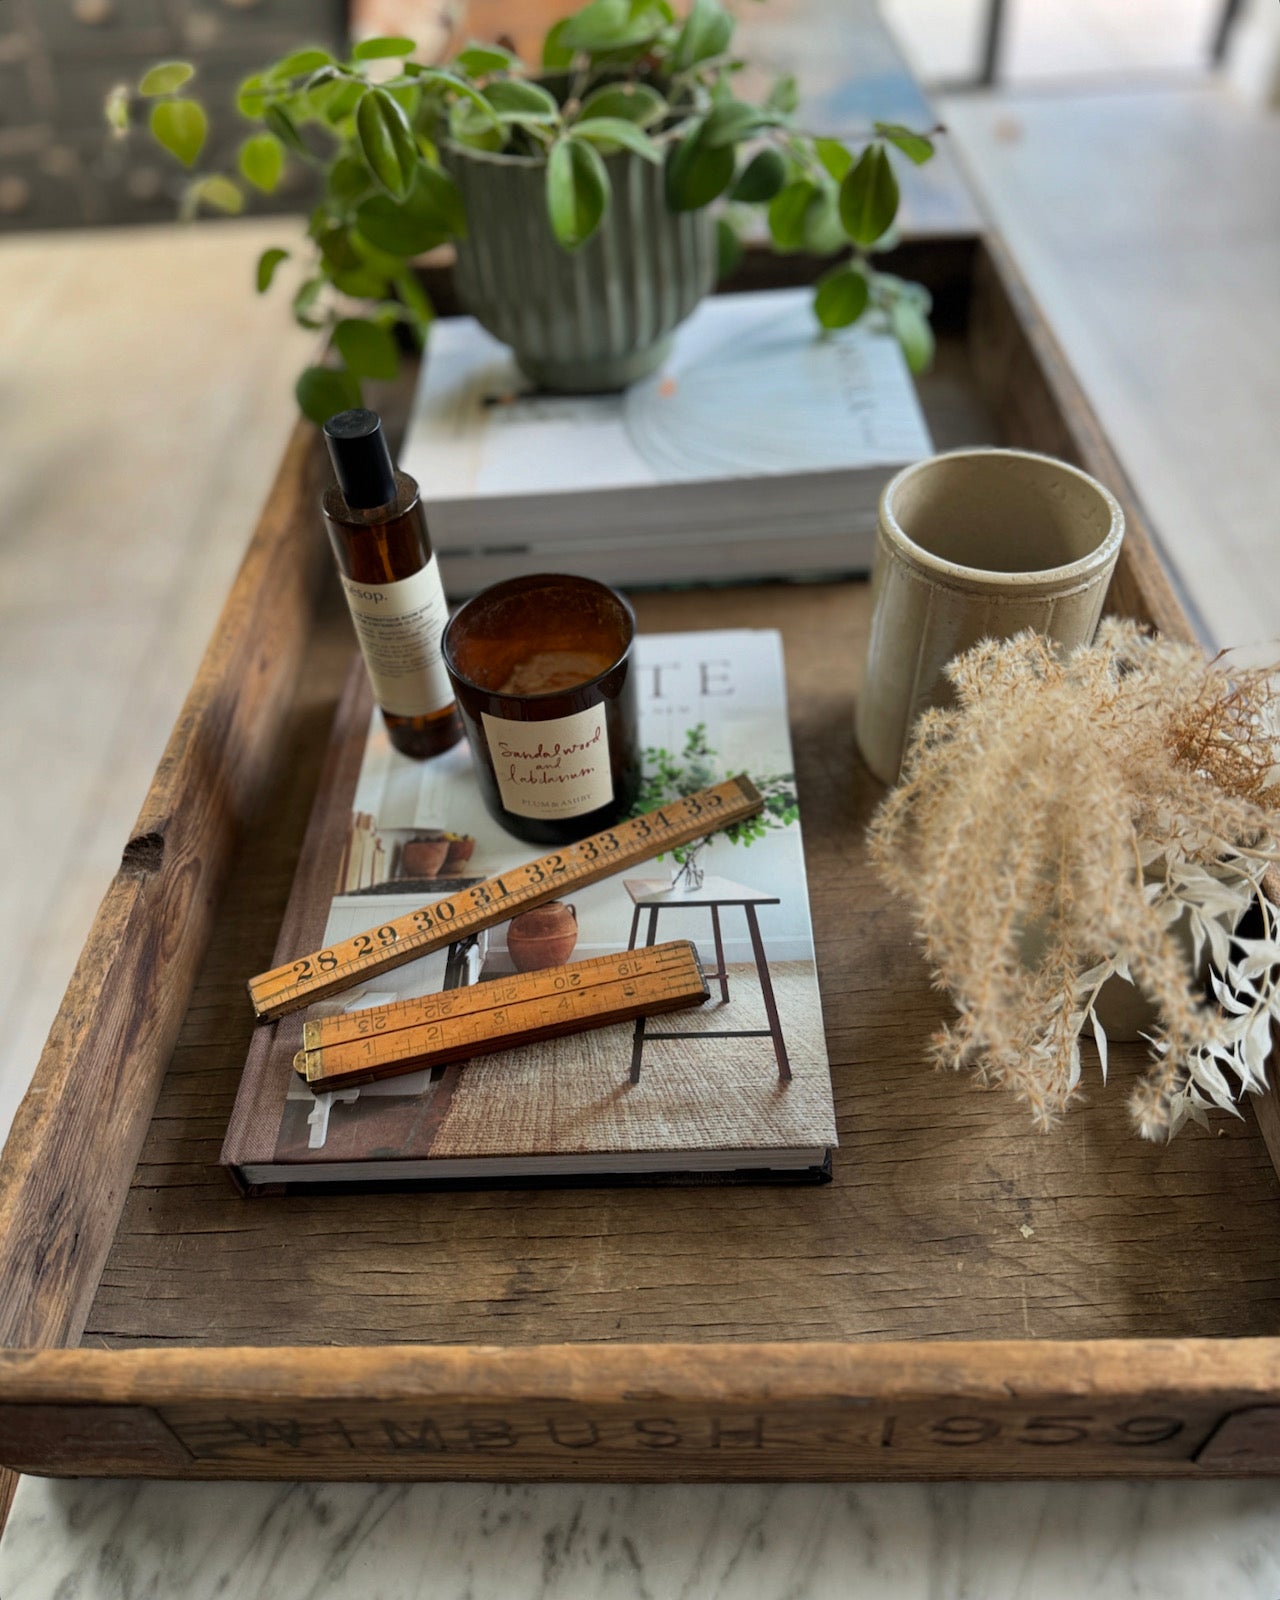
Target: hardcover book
x: 759, y: 449
x: 739, y: 1086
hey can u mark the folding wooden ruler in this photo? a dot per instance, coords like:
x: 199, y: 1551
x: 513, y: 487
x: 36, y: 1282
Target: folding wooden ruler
x: 364, y: 955
x: 479, y: 1019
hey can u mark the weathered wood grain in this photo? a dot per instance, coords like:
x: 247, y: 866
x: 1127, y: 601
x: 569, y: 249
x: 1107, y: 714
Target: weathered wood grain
x: 947, y: 1220
x: 920, y: 1234
x: 825, y: 1411
x: 75, y: 1139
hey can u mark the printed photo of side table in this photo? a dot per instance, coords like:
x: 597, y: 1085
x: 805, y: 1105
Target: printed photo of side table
x: 716, y: 894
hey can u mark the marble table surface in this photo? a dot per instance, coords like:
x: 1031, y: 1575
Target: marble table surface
x: 83, y: 1540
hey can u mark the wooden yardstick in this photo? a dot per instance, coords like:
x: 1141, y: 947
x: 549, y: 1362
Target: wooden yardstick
x: 382, y: 1041
x: 364, y: 955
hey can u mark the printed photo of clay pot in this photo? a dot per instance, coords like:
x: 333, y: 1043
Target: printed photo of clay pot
x: 460, y: 849
x: 424, y: 856
x: 543, y: 937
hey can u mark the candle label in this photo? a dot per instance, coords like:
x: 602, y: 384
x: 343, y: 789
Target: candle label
x: 554, y: 769
x: 399, y: 626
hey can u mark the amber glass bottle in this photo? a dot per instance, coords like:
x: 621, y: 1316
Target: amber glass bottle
x: 392, y: 584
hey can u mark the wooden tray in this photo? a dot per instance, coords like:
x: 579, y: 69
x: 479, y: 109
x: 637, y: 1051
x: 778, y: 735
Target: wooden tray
x: 966, y: 1299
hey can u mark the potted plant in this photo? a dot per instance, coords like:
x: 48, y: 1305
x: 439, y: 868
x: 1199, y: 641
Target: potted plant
x: 1076, y: 822
x: 590, y: 202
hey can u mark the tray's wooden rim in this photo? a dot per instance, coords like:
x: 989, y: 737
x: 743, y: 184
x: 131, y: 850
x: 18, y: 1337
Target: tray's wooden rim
x: 822, y: 1411
x: 728, y: 1372
x: 78, y: 1134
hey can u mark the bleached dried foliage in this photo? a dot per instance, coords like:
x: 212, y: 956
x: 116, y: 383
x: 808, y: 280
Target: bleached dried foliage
x: 1080, y: 807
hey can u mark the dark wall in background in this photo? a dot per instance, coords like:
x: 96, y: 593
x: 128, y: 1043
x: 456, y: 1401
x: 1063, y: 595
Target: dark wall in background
x: 58, y: 59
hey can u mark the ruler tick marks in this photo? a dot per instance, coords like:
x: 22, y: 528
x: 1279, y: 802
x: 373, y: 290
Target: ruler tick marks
x: 350, y: 961
x: 383, y: 1041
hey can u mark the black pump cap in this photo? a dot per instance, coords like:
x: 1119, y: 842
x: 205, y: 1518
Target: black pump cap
x: 361, y: 459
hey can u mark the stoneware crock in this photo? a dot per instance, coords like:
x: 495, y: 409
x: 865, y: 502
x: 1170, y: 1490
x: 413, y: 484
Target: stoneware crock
x: 972, y: 545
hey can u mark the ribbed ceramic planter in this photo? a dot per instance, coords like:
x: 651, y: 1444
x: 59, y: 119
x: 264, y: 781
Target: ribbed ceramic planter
x: 598, y: 318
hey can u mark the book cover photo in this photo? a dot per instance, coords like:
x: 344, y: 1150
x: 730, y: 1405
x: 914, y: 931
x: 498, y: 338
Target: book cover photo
x: 738, y: 1085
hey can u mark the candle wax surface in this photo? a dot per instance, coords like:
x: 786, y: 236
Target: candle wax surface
x: 552, y: 671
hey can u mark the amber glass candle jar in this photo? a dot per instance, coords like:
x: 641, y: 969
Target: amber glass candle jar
x: 543, y: 673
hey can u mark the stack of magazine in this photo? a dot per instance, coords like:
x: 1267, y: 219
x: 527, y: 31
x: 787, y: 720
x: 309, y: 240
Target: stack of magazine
x: 758, y: 450
x: 710, y: 1096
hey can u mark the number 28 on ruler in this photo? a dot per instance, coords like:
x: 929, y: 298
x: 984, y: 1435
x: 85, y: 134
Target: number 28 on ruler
x: 313, y: 977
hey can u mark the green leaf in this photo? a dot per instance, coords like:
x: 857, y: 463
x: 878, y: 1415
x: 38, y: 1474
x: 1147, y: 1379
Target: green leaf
x: 728, y: 249
x: 443, y: 78
x: 823, y: 232
x: 916, y: 146
x: 336, y: 102
x: 833, y: 156
x: 476, y: 129
x: 869, y: 197
x: 734, y: 121
x: 268, y: 261
x: 787, y: 213
x: 298, y: 65
x: 368, y: 350
x: 387, y: 142
x: 577, y: 191
x: 386, y: 263
x: 282, y: 125
x: 634, y: 102
x: 322, y: 392
x: 842, y: 297
x: 435, y: 191
x: 761, y: 178
x: 913, y: 332
x: 479, y: 59
x: 361, y: 283
x: 252, y: 96
x: 304, y: 303
x: 166, y: 77
x: 262, y: 161
x: 892, y: 286
x: 180, y: 126
x: 415, y: 299
x: 407, y: 94
x: 597, y: 26
x: 116, y: 109
x: 348, y: 180
x: 607, y: 25
x: 431, y: 213
x: 784, y: 96
x: 556, y: 55
x: 382, y: 49
x: 339, y: 254
x: 221, y: 194
x: 610, y: 133
x: 695, y: 174
x: 515, y: 100
x: 706, y: 33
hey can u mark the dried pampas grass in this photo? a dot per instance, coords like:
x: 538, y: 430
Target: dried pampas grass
x: 1083, y: 806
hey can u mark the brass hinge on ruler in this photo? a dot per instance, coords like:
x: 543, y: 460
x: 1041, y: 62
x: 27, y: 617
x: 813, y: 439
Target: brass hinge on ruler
x: 364, y: 955
x: 480, y: 1019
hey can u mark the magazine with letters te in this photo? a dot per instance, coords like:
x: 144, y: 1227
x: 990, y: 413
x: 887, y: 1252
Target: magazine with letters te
x: 739, y: 1085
